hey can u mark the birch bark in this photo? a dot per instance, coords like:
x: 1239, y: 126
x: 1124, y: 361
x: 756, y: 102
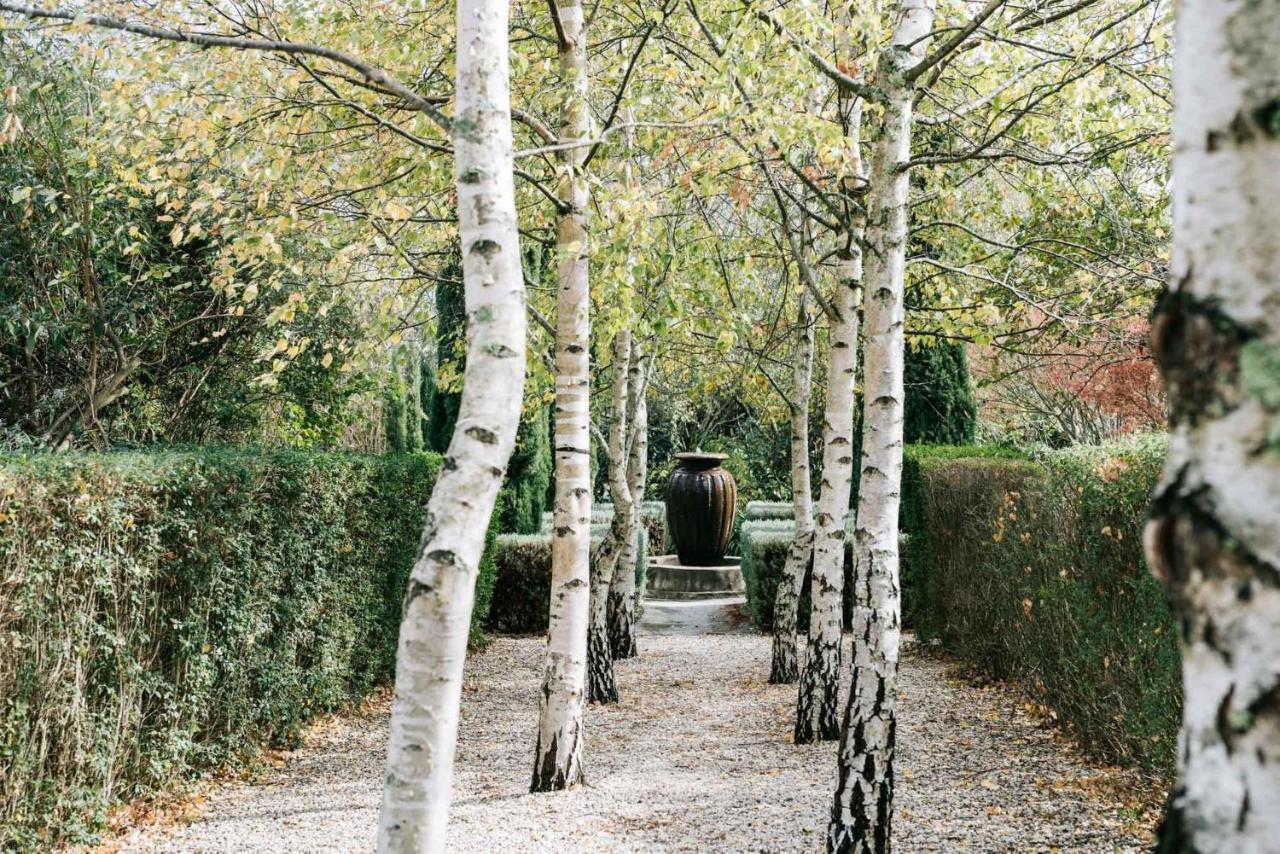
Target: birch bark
x: 613, y: 551
x: 863, y: 805
x: 1213, y: 540
x: 441, y: 589
x: 816, y: 718
x: 631, y: 474
x: 558, y: 752
x: 785, y: 668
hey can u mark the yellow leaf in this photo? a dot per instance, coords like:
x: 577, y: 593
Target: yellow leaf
x: 175, y: 236
x: 395, y: 210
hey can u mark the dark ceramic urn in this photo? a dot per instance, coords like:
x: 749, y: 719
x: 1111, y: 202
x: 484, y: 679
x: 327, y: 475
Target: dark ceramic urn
x: 701, y: 502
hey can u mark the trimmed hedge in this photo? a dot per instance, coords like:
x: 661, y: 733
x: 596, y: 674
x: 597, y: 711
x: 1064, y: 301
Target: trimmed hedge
x: 764, y: 545
x: 756, y: 510
x: 653, y: 516
x: 168, y: 612
x: 522, y: 593
x: 770, y: 524
x: 1035, y: 572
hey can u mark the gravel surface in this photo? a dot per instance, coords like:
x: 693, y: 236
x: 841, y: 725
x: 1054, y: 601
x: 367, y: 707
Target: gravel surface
x: 696, y: 758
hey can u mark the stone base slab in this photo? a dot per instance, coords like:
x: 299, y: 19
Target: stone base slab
x: 671, y: 580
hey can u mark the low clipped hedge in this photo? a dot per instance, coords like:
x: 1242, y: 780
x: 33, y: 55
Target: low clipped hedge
x: 767, y: 528
x: 522, y: 592
x: 1034, y: 572
x: 764, y: 545
x: 653, y: 516
x: 758, y: 510
x: 163, y: 613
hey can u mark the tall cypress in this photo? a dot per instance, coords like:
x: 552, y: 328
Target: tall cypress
x: 524, y: 497
x: 940, y: 409
x: 441, y: 410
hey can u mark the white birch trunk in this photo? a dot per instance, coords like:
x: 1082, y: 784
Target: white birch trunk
x: 863, y: 805
x: 638, y: 472
x: 816, y: 718
x: 785, y: 667
x: 558, y: 753
x: 602, y: 687
x: 441, y: 589
x: 631, y: 474
x: 1214, y: 538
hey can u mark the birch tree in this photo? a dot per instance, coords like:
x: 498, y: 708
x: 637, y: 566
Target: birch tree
x: 816, y: 718
x: 630, y: 473
x: 1213, y: 540
x: 785, y: 667
x: 602, y: 687
x: 863, y: 804
x: 437, y: 606
x: 629, y: 470
x: 558, y: 752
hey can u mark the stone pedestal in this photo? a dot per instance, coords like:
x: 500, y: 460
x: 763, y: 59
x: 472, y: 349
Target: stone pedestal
x: 671, y: 580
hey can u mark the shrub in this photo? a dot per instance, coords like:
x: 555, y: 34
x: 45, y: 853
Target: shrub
x: 768, y: 510
x: 939, y: 404
x: 522, y: 592
x: 770, y: 522
x: 1035, y: 572
x: 440, y: 393
x: 653, y: 516
x: 164, y: 613
x: 764, y: 544
x: 529, y: 472
x: 910, y: 519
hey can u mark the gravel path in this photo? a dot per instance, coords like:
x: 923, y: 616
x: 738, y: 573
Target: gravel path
x: 696, y: 758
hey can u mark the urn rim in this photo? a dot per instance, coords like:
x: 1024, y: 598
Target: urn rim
x: 701, y: 457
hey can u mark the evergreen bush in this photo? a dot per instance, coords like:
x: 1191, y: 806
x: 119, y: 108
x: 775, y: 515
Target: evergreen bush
x: 522, y: 592
x: 939, y: 408
x: 1035, y: 572
x: 440, y: 392
x: 764, y: 544
x: 529, y: 473
x: 164, y: 613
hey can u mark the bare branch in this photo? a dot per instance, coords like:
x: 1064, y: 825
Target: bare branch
x: 945, y: 49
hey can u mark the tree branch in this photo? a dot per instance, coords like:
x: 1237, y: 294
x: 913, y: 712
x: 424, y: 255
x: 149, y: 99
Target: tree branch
x: 370, y: 73
x: 944, y: 50
x: 821, y: 63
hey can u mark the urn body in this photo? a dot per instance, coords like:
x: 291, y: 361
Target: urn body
x: 701, y: 503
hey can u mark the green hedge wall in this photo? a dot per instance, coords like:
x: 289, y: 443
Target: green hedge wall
x: 522, y: 593
x: 757, y: 510
x: 167, y: 612
x: 764, y: 545
x: 1035, y: 573
x: 769, y: 523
